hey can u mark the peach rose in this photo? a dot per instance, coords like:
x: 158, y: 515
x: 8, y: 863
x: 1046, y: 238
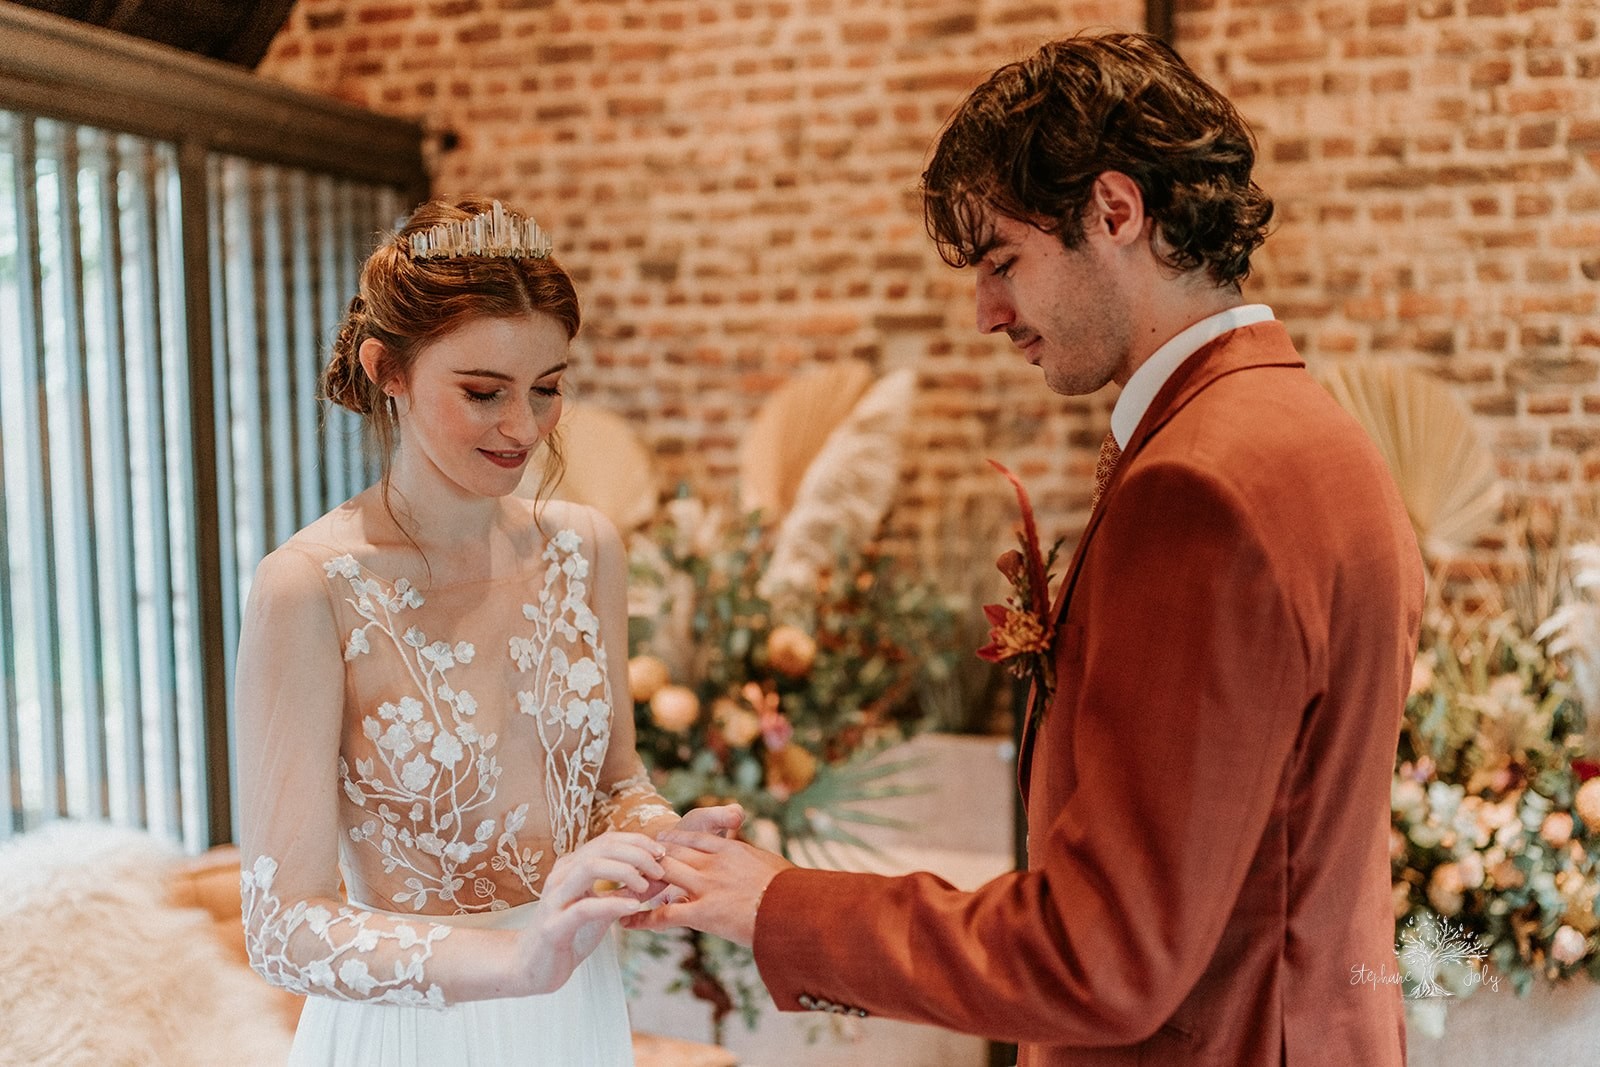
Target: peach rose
x: 791, y: 650
x: 646, y: 676
x: 789, y: 770
x: 1407, y: 797
x: 1445, y: 889
x: 1587, y: 804
x: 1557, y: 828
x: 1506, y: 875
x: 738, y: 724
x: 675, y: 708
x: 1568, y: 946
x: 1401, y: 891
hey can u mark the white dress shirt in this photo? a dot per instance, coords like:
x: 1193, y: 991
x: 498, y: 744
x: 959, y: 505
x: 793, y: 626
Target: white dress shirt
x: 1147, y: 381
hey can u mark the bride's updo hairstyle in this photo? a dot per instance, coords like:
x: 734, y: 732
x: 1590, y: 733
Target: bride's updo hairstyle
x: 407, y: 301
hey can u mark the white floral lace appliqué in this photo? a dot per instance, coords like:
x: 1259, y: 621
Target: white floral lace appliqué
x: 344, y: 937
x: 570, y: 702
x: 435, y: 773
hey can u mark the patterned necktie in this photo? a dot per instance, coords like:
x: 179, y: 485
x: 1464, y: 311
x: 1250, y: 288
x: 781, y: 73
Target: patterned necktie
x: 1109, y: 454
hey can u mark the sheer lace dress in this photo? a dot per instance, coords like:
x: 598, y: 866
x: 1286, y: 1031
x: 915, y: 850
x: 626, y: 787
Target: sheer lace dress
x: 436, y: 745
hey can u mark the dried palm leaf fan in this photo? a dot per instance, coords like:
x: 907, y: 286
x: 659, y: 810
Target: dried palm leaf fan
x: 790, y: 430
x: 846, y: 491
x: 1446, y: 476
x: 607, y: 467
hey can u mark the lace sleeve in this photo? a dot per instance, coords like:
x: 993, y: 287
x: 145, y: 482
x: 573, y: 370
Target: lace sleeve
x: 301, y: 934
x: 625, y: 799
x: 632, y: 803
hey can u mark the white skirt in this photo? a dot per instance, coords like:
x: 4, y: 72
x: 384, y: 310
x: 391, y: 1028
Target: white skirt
x: 582, y: 1024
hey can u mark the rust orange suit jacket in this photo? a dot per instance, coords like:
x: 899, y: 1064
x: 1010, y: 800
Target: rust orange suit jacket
x: 1208, y: 792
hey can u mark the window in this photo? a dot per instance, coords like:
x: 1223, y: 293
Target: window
x: 167, y: 293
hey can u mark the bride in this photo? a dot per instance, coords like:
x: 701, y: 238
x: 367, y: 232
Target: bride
x: 426, y: 683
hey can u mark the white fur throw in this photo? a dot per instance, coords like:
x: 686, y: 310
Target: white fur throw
x: 96, y: 967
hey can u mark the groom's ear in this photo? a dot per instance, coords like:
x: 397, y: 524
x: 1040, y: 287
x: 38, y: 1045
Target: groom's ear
x: 1116, y: 207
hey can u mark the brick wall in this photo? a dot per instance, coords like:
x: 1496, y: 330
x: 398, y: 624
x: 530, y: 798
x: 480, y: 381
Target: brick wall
x: 1437, y: 170
x: 732, y: 183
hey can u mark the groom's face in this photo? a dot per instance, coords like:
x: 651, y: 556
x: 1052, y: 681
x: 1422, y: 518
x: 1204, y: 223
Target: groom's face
x: 1061, y: 307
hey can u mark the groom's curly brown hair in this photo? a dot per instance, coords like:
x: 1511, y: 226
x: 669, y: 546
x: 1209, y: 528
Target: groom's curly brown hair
x: 1029, y: 142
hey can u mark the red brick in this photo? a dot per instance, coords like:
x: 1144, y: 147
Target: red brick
x: 1387, y: 16
x: 859, y: 32
x: 1552, y: 65
x: 1548, y: 271
x: 1532, y: 205
x: 1487, y: 73
x: 1391, y: 81
x: 480, y: 34
x: 1540, y: 100
x: 635, y: 107
x: 1296, y: 150
x: 1495, y: 404
x: 369, y: 16
x: 954, y: 25
x: 1550, y: 404
x: 1287, y: 52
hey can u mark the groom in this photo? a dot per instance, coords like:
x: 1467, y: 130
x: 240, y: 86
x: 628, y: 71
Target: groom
x: 1208, y: 790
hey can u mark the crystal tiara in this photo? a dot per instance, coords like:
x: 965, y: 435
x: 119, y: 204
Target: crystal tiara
x: 494, y: 233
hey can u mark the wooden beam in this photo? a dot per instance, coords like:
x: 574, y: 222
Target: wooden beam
x: 1158, y: 19
x: 62, y: 69
x: 228, y: 30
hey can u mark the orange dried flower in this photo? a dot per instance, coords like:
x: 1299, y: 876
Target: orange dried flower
x: 1013, y: 633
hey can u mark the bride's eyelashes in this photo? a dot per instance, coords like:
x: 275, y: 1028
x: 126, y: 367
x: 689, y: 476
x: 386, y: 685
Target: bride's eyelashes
x: 549, y: 392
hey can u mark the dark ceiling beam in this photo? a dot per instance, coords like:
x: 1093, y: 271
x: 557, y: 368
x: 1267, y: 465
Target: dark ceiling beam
x: 229, y: 30
x: 67, y: 70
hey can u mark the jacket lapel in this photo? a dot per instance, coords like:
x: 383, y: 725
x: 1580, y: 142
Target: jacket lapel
x: 1264, y: 344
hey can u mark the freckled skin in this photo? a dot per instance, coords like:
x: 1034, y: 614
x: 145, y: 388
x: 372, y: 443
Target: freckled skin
x: 492, y: 385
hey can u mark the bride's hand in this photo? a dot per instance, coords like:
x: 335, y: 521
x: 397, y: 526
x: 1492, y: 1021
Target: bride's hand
x: 723, y: 820
x: 573, y: 918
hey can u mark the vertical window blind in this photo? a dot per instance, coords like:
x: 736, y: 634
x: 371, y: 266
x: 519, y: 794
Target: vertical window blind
x: 144, y: 471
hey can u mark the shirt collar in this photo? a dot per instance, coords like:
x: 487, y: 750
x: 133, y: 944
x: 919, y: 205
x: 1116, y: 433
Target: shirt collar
x: 1146, y: 382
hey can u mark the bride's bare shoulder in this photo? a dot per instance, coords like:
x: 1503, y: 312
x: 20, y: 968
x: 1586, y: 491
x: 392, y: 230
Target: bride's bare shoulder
x: 360, y: 527
x: 547, y: 518
x: 360, y: 524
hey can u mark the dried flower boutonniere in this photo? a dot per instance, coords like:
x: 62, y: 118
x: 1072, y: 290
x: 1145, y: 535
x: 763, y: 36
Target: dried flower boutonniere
x: 1021, y: 631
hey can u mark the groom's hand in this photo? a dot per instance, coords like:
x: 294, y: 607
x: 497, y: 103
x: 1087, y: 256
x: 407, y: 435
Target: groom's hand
x: 723, y: 821
x: 724, y: 881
